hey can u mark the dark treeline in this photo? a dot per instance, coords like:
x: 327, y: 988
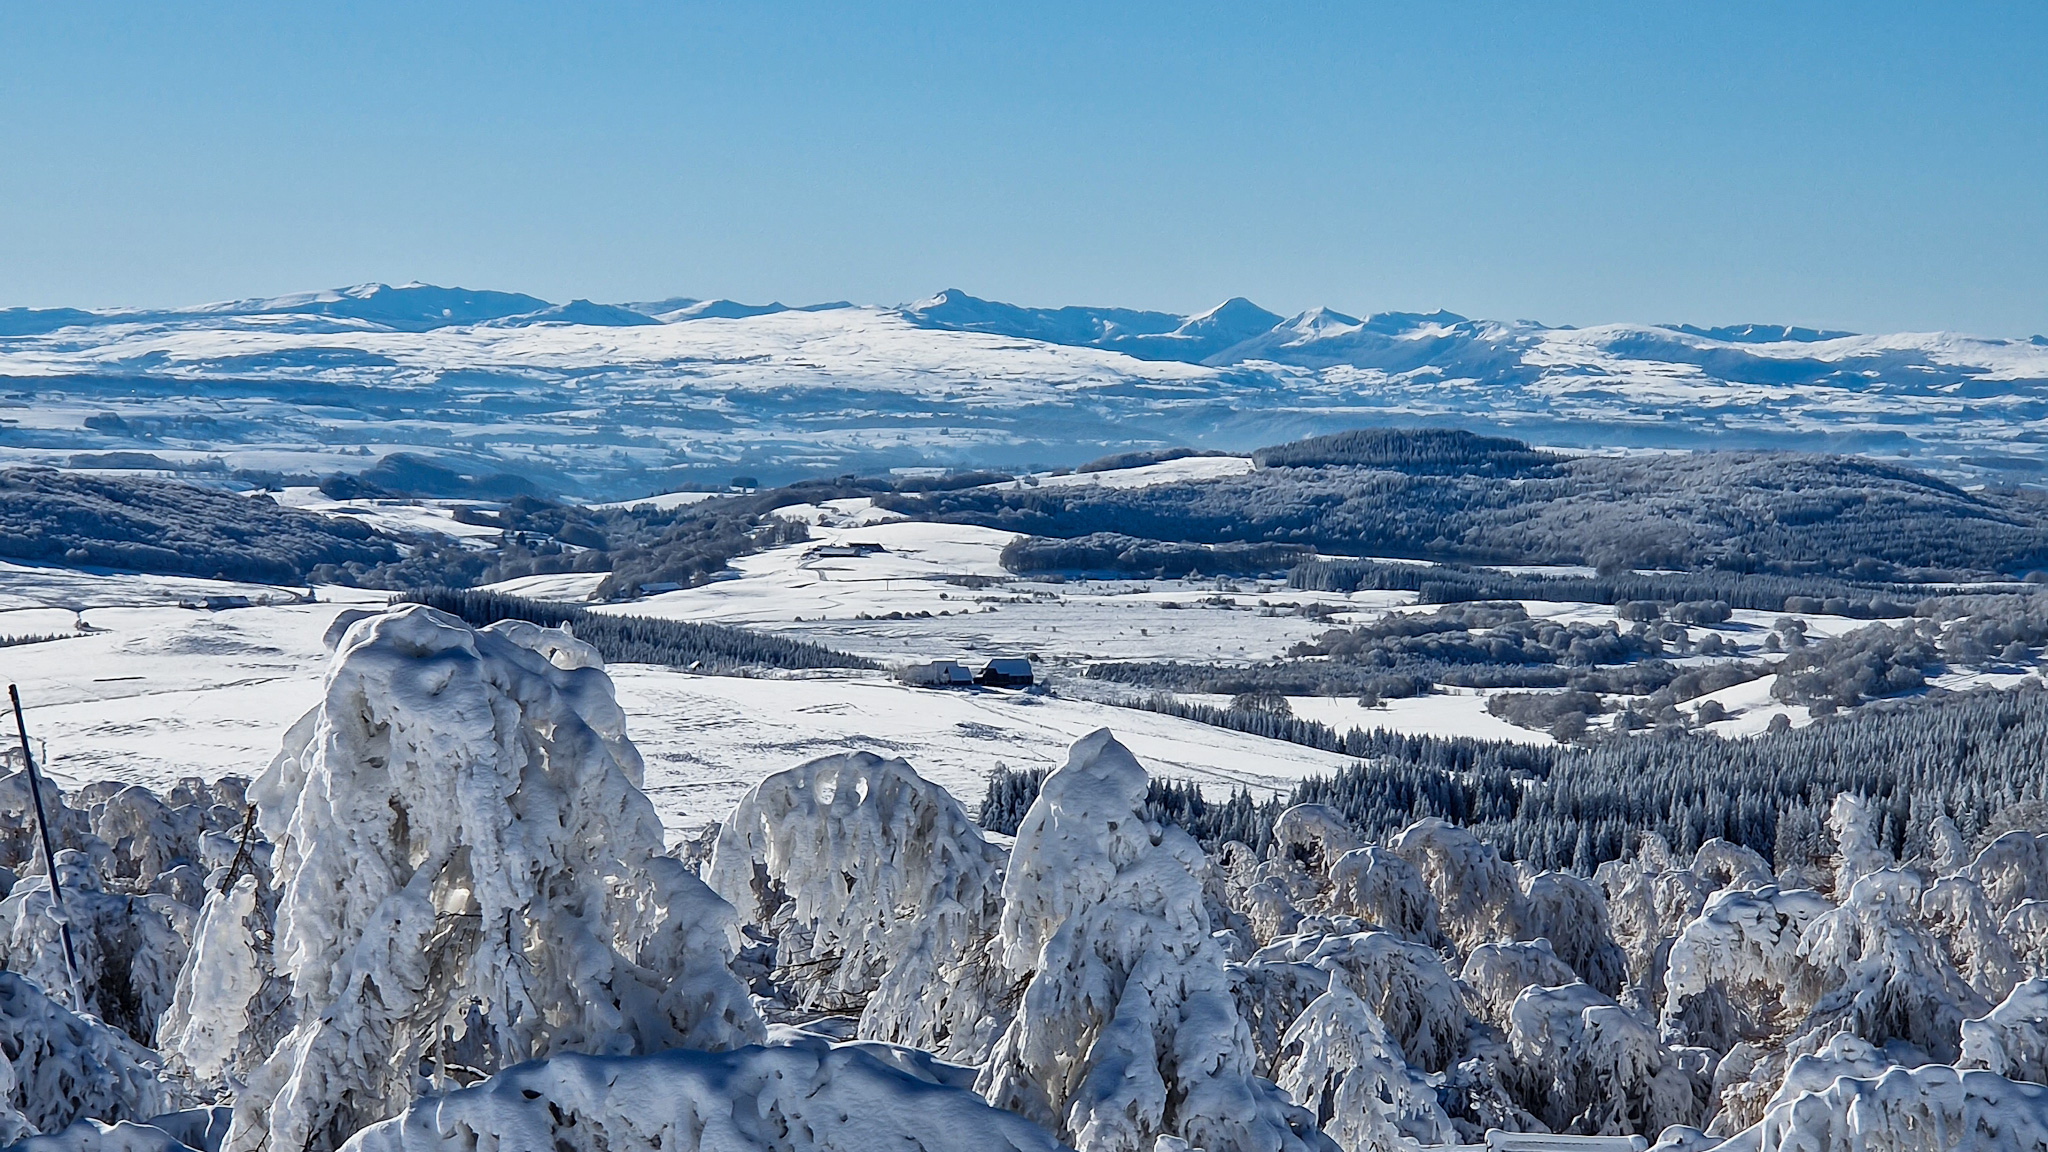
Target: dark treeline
x: 1112, y: 553
x: 172, y: 528
x: 641, y: 639
x: 1974, y: 757
x: 1854, y: 520
x: 1416, y: 450
x: 1453, y: 584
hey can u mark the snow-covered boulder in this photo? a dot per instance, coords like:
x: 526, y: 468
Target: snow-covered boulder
x: 1127, y: 1030
x: 879, y: 890
x: 469, y: 877
x: 805, y: 1097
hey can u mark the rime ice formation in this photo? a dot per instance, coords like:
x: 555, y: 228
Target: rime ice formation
x: 1344, y: 1066
x: 1586, y: 1065
x: 59, y: 1067
x: 879, y: 891
x: 1127, y: 1030
x: 1478, y: 900
x: 1730, y: 968
x: 804, y: 1097
x: 1856, y: 835
x: 1404, y: 984
x: 2011, y: 1039
x: 1869, y: 967
x: 230, y: 1008
x: 1495, y: 974
x: 2012, y: 870
x: 468, y: 876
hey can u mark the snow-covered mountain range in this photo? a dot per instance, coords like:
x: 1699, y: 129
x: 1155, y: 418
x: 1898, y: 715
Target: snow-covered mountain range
x: 621, y: 399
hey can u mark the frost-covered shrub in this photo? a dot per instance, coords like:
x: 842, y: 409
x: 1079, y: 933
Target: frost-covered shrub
x: 1583, y: 1064
x: 129, y: 948
x: 1869, y: 967
x: 804, y: 1097
x: 1859, y: 852
x: 1127, y: 1030
x: 1386, y: 891
x: 469, y: 876
x: 1959, y: 915
x: 2011, y: 1039
x: 59, y: 1067
x: 1343, y: 1065
x: 1477, y: 898
x: 1495, y: 974
x: 1730, y: 967
x: 879, y: 890
x: 1930, y: 1107
x: 1569, y: 912
x: 231, y: 1007
x: 2012, y: 870
x: 1405, y: 984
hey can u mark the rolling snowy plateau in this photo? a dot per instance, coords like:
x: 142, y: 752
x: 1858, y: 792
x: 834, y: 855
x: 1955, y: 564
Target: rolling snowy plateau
x: 613, y: 402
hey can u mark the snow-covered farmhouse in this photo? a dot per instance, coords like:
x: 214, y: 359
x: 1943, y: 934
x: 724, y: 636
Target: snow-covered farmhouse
x: 1005, y: 672
x: 938, y: 674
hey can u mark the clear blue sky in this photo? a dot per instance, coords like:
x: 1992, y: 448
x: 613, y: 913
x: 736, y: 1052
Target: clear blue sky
x: 1870, y: 166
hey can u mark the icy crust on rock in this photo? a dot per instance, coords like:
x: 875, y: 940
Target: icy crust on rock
x: 879, y: 890
x: 1127, y: 1030
x: 468, y: 878
x: 804, y: 1097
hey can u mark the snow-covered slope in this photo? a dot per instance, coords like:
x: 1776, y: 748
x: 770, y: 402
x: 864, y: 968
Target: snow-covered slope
x: 619, y: 400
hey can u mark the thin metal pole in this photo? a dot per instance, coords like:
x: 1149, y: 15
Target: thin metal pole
x: 35, y: 791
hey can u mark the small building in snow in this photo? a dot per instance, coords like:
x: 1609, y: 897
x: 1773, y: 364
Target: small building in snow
x: 1005, y: 672
x: 938, y: 674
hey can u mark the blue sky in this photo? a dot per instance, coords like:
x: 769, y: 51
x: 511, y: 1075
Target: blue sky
x: 1869, y: 166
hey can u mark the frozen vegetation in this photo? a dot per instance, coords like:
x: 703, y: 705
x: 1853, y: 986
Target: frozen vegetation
x: 446, y: 915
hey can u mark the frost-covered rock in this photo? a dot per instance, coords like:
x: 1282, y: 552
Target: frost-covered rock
x: 129, y: 948
x: 1127, y: 1030
x: 805, y: 1097
x: 879, y: 890
x: 1477, y: 897
x: 1384, y: 890
x: 1344, y: 1066
x: 1871, y: 968
x: 1585, y: 1065
x: 60, y: 1067
x: 468, y: 877
x: 1933, y: 1107
x: 1730, y: 968
x: 2011, y: 1039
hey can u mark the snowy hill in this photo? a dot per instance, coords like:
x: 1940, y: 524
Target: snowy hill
x: 615, y: 401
